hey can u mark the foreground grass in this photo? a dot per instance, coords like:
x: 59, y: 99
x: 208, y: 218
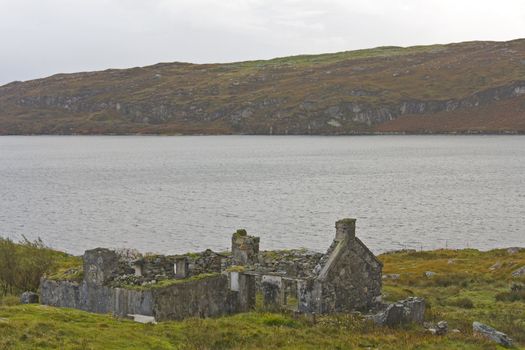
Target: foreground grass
x: 463, y: 290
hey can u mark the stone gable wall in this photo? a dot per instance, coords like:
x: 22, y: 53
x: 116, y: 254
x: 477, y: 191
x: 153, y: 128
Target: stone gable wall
x: 353, y: 281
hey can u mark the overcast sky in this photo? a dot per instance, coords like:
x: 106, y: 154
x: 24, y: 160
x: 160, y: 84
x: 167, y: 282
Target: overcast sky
x: 43, y: 37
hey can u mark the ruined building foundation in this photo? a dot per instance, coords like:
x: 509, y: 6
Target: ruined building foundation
x: 347, y: 277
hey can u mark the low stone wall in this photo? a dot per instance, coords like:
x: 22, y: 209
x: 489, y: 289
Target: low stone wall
x: 94, y: 298
x: 210, y: 296
x: 60, y: 293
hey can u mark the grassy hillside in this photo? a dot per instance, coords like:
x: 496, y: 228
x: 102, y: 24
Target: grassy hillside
x: 465, y: 87
x: 463, y: 290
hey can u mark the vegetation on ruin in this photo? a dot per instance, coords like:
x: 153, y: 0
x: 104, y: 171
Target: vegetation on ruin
x: 468, y: 285
x: 72, y: 274
x: 240, y: 233
x: 23, y: 263
x: 168, y: 282
x: 235, y: 268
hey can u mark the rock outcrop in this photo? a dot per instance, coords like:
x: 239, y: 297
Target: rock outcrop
x: 474, y: 87
x: 411, y: 310
x: 29, y: 298
x: 492, y: 334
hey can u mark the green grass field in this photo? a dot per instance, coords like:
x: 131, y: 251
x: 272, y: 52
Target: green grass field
x: 463, y: 290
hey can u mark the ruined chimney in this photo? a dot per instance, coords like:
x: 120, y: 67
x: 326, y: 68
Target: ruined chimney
x: 245, y: 249
x: 344, y: 228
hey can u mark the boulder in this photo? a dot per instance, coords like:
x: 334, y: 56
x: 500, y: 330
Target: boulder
x: 514, y: 250
x: 496, y: 266
x: 440, y: 329
x: 519, y: 272
x: 29, y: 298
x: 492, y: 334
x: 430, y: 274
x: 411, y: 310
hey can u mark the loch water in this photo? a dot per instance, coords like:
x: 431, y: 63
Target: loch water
x: 187, y: 193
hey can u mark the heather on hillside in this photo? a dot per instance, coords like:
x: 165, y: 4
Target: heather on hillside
x: 470, y: 87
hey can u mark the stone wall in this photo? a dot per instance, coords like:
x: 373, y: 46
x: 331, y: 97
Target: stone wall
x: 103, y: 265
x: 352, y: 281
x: 211, y: 296
x: 206, y: 262
x: 95, y: 298
x: 348, y: 276
x: 157, y: 267
x: 293, y: 263
x: 60, y: 293
x: 208, y: 297
x: 245, y: 249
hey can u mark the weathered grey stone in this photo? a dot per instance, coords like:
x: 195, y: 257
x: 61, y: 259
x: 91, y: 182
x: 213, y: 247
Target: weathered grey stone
x: 492, y: 334
x: 345, y: 279
x: 245, y: 249
x: 100, y: 265
x: 344, y: 228
x: 271, y: 287
x: 29, y: 298
x: 348, y: 277
x: 391, y: 276
x: 411, y: 310
x: 430, y: 274
x: 514, y: 250
x: 143, y: 318
x: 496, y: 266
x: 519, y: 272
x: 440, y: 329
x: 60, y: 293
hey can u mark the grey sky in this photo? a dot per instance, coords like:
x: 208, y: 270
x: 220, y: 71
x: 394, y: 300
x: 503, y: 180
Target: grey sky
x: 44, y: 37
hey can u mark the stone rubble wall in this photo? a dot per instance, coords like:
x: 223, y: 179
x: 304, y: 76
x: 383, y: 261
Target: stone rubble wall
x: 94, y: 298
x: 203, y: 298
x: 60, y: 293
x: 211, y: 296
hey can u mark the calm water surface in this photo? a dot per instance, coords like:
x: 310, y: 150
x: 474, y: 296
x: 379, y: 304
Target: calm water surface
x: 177, y: 194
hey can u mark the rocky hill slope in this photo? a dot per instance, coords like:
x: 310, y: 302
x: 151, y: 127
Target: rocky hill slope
x: 471, y: 87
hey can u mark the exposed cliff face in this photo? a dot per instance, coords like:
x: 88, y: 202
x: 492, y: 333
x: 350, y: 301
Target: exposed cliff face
x: 383, y: 89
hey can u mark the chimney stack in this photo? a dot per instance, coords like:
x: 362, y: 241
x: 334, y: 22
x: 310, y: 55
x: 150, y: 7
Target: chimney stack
x: 344, y: 228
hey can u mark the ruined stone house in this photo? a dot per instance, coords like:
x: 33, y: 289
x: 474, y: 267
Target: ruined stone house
x: 347, y: 277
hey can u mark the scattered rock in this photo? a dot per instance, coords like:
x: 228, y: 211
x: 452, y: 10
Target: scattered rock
x: 496, y: 266
x: 455, y: 330
x: 142, y: 318
x: 492, y: 334
x: 411, y: 310
x: 430, y: 274
x: 391, y: 276
x: 29, y: 298
x: 519, y: 272
x: 514, y: 250
x: 440, y: 329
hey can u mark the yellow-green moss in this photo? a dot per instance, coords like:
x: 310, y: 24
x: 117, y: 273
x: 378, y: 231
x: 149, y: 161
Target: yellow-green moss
x: 170, y: 282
